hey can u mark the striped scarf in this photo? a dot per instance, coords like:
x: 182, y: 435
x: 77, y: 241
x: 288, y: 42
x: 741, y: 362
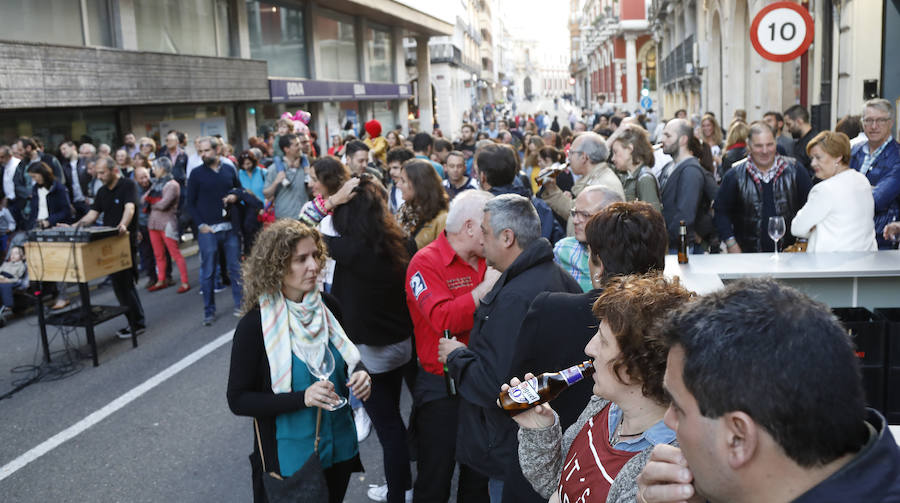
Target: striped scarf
x: 303, y: 329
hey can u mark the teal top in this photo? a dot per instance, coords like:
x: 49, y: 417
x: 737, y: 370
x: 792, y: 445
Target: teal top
x: 295, y: 432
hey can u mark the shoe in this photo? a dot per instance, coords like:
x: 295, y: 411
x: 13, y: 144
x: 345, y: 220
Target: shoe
x: 219, y: 288
x: 157, y: 287
x: 60, y: 304
x: 363, y: 428
x: 379, y: 493
x: 125, y: 332
x: 183, y: 288
x: 208, y: 320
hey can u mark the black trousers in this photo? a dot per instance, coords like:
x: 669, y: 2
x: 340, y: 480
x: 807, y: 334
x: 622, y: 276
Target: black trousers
x: 383, y: 407
x: 126, y: 294
x: 435, y: 424
x: 473, y: 486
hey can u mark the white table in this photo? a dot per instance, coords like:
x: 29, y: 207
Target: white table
x: 845, y: 279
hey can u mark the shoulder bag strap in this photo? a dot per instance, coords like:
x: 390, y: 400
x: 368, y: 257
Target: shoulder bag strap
x: 259, y: 441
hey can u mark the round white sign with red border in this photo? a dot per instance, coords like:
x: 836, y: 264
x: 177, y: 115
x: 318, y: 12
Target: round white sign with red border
x: 782, y: 31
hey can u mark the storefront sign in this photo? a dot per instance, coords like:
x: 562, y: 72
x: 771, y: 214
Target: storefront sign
x: 290, y: 90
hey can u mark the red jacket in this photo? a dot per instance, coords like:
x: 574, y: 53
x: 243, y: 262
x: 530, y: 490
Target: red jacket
x: 438, y: 286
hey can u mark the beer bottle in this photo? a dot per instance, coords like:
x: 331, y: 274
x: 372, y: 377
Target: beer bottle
x: 682, y: 243
x: 543, y: 388
x: 448, y: 381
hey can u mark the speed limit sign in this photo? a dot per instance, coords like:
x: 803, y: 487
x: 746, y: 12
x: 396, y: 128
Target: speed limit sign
x: 782, y: 31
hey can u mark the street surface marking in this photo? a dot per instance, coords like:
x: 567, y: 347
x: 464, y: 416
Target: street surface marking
x: 104, y: 412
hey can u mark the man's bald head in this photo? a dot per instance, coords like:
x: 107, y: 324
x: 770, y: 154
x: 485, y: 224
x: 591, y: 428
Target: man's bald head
x: 588, y: 203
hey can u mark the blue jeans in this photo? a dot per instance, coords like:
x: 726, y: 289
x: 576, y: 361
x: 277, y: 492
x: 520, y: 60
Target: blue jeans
x: 209, y: 244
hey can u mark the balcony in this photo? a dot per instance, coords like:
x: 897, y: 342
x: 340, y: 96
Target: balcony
x: 678, y: 64
x: 443, y: 53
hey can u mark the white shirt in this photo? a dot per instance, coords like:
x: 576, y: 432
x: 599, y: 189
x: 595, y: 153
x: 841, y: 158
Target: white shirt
x: 43, y: 212
x: 9, y: 187
x: 842, y: 210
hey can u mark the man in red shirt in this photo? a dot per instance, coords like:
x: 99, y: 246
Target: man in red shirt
x: 445, y: 281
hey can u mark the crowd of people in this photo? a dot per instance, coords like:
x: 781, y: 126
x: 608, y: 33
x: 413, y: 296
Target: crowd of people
x: 518, y: 248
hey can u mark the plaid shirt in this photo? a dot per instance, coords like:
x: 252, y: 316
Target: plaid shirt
x: 869, y: 159
x: 774, y: 172
x: 573, y: 257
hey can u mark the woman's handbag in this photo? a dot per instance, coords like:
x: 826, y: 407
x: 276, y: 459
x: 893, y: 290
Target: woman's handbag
x: 307, y: 484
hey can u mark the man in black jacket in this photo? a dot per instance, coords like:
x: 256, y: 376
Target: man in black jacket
x: 763, y: 186
x: 486, y: 440
x: 681, y: 181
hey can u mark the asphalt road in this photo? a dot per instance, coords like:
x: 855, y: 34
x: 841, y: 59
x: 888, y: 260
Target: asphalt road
x: 176, y: 442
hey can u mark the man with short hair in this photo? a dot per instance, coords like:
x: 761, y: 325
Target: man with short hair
x: 77, y: 178
x: 796, y: 119
x: 286, y: 183
x: 395, y: 159
x: 357, y: 153
x: 571, y: 252
x: 763, y: 186
x: 422, y: 147
x: 209, y: 198
x: 587, y: 159
x: 16, y: 184
x: 486, y: 440
x: 457, y: 180
x: 32, y: 154
x: 784, y: 142
x: 497, y: 168
x: 441, y: 150
x: 117, y: 201
x: 879, y: 159
x: 179, y: 158
x: 681, y: 181
x: 129, y: 144
x: 792, y: 426
x: 466, y: 143
x: 445, y: 281
x: 681, y: 113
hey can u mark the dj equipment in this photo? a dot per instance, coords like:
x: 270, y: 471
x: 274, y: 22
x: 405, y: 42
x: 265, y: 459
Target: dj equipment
x: 71, y: 234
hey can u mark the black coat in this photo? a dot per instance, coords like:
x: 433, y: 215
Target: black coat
x: 486, y: 439
x: 556, y: 329
x: 371, y: 293
x: 58, y: 208
x: 682, y: 196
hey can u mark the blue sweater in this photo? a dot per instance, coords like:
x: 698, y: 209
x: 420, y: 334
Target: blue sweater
x: 206, y: 189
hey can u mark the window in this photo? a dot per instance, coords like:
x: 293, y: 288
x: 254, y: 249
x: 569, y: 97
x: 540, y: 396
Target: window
x: 183, y: 26
x: 277, y: 35
x: 337, y: 47
x: 52, y: 22
x: 379, y: 51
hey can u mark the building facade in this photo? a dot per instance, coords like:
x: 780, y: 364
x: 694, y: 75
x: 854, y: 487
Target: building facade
x: 613, y: 51
x: 95, y: 69
x: 707, y: 62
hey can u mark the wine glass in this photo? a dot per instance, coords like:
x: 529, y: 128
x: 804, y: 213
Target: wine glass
x: 776, y: 231
x: 324, y: 370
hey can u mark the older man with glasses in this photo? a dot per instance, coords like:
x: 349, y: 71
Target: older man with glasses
x: 879, y: 160
x: 587, y: 160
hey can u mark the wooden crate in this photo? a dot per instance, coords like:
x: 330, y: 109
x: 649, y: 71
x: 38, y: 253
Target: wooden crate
x: 77, y: 262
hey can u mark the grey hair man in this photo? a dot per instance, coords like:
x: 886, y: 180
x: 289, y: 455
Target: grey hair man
x: 571, y: 252
x: 879, y: 160
x: 486, y: 440
x: 587, y: 160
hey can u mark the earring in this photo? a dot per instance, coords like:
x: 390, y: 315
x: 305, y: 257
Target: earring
x: 597, y: 277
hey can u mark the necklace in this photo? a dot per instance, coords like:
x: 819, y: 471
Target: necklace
x: 617, y: 433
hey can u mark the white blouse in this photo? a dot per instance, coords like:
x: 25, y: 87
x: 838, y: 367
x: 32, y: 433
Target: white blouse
x: 838, y: 215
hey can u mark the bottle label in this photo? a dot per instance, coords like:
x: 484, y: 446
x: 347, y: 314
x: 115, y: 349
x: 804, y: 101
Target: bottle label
x: 572, y: 374
x: 526, y: 392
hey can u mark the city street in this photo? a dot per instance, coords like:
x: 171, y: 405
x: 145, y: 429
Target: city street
x: 176, y: 441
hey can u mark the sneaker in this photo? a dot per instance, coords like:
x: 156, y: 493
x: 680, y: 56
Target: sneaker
x: 208, y: 320
x: 219, y: 288
x: 379, y: 493
x: 363, y: 427
x: 125, y: 332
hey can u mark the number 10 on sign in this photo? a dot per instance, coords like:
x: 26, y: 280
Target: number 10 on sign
x: 782, y: 31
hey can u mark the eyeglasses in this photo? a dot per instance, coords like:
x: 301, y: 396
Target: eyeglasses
x: 584, y: 215
x: 880, y: 121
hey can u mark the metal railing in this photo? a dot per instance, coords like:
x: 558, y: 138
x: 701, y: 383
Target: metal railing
x: 679, y: 63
